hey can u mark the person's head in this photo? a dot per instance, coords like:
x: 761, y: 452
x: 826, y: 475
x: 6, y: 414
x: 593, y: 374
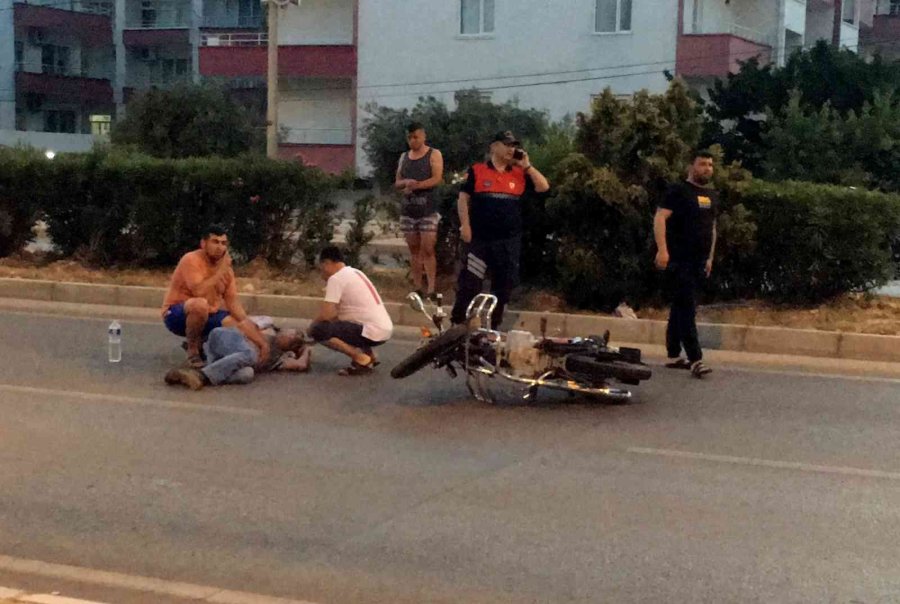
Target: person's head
x: 214, y: 242
x: 415, y: 136
x: 503, y: 145
x: 290, y: 340
x: 331, y: 260
x: 701, y: 169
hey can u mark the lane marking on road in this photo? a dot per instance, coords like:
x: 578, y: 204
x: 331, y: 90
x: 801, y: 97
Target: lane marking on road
x: 767, y: 463
x: 92, y: 397
x: 50, y: 599
x: 177, y: 589
x: 811, y: 373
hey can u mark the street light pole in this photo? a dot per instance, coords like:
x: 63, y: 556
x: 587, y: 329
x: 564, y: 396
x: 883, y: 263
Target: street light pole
x: 272, y: 83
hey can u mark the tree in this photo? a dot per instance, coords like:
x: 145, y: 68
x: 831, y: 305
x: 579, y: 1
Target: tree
x: 462, y: 134
x: 740, y: 108
x: 187, y: 121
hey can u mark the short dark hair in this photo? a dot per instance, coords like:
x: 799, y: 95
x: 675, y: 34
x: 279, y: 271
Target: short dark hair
x: 701, y: 154
x: 332, y: 253
x: 413, y: 126
x: 214, y: 229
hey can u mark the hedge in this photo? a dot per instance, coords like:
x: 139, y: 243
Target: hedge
x: 113, y: 208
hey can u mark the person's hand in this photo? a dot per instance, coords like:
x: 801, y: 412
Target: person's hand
x: 525, y: 161
x: 224, y: 264
x: 409, y: 186
x: 709, y: 264
x: 662, y: 259
x: 465, y: 233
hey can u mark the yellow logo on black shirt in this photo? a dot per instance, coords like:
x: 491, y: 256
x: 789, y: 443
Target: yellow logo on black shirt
x: 704, y: 202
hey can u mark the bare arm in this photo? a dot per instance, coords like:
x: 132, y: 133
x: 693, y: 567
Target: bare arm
x: 233, y: 302
x: 437, y: 173
x: 712, y: 249
x: 541, y: 184
x: 462, y: 208
x: 659, y: 233
x: 399, y: 181
x: 328, y: 312
x: 256, y: 337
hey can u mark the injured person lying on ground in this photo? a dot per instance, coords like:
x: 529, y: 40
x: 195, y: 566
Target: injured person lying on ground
x: 233, y: 359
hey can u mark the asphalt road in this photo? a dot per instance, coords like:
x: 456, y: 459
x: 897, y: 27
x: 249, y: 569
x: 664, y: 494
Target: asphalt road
x: 749, y: 486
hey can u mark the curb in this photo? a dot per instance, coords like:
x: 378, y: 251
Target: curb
x: 736, y: 338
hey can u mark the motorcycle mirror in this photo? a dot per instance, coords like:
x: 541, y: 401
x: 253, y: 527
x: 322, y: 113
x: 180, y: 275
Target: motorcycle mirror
x: 415, y: 302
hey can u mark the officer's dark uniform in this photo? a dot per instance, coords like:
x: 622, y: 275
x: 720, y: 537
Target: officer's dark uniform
x: 495, y: 215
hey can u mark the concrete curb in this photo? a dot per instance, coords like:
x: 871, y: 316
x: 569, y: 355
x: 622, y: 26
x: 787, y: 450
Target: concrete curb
x: 737, y: 338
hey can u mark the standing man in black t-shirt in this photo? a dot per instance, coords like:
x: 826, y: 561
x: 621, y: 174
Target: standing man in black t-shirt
x: 490, y: 216
x: 685, y: 231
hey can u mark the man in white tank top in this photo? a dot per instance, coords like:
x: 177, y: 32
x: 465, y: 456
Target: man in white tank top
x: 353, y: 319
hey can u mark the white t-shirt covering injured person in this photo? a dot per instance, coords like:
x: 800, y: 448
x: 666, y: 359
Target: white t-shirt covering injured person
x: 358, y: 301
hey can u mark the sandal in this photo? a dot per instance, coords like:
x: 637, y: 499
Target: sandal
x: 356, y: 369
x: 195, y: 361
x: 679, y: 363
x: 698, y: 370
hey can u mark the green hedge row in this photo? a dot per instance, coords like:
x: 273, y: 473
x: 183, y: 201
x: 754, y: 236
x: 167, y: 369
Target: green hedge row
x: 112, y: 208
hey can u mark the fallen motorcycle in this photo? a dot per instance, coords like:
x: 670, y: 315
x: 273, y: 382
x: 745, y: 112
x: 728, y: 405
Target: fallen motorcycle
x: 580, y: 366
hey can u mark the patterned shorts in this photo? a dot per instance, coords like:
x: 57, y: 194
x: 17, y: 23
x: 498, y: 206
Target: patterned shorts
x: 428, y: 224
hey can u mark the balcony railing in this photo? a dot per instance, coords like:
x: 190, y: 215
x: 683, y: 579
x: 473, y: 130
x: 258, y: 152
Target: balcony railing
x: 235, y: 39
x: 93, y: 7
x: 318, y: 136
x: 236, y: 21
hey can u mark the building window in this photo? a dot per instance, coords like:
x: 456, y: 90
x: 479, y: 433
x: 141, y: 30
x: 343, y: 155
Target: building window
x: 895, y: 7
x: 55, y: 59
x: 249, y: 13
x: 849, y: 11
x: 59, y: 121
x: 100, y: 125
x: 613, y: 16
x: 476, y: 17
x: 20, y: 56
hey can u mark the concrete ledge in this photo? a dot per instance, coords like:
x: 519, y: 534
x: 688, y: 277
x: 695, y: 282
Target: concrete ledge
x: 802, y: 342
x: 737, y: 338
x: 26, y: 289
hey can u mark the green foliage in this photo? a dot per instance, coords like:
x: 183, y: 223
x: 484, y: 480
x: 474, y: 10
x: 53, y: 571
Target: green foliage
x: 842, y: 80
x: 187, y: 121
x: 20, y: 185
x: 357, y: 237
x: 462, y: 134
x: 815, y: 241
x: 861, y: 148
x: 112, y: 208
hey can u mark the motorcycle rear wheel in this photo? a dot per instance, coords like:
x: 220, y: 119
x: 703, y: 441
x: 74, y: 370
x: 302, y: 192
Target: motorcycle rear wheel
x: 442, y: 344
x: 628, y: 373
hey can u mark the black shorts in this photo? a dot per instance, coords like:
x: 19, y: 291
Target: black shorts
x: 345, y: 331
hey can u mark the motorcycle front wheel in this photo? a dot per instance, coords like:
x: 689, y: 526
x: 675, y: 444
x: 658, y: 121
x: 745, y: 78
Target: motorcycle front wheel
x: 440, y: 345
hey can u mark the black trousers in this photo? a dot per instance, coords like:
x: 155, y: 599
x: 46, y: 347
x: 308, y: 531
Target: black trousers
x: 681, y: 282
x: 501, y: 258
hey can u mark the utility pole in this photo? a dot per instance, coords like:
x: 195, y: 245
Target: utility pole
x: 272, y: 82
x: 838, y: 20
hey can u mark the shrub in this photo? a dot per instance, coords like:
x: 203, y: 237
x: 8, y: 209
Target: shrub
x: 21, y: 184
x: 815, y: 242
x: 120, y: 208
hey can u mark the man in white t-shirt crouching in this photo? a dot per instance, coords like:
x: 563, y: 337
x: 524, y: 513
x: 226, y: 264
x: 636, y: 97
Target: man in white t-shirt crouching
x: 353, y: 319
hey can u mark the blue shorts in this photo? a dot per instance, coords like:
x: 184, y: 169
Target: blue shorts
x: 175, y: 320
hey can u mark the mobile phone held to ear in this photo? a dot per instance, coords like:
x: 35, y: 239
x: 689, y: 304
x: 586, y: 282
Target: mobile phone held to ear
x: 519, y: 153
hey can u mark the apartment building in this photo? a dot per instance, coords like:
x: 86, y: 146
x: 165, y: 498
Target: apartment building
x: 68, y: 67
x: 883, y: 38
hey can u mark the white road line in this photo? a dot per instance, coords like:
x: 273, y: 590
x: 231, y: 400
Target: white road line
x: 767, y: 463
x: 811, y: 373
x: 114, y: 398
x: 51, y: 599
x: 190, y: 591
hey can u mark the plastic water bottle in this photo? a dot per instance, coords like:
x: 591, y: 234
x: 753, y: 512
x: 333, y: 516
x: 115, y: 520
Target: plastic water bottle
x: 115, y: 342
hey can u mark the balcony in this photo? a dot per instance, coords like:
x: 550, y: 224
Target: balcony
x: 93, y: 90
x: 881, y: 38
x: 92, y: 29
x: 244, y: 54
x: 233, y: 22
x: 717, y: 55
